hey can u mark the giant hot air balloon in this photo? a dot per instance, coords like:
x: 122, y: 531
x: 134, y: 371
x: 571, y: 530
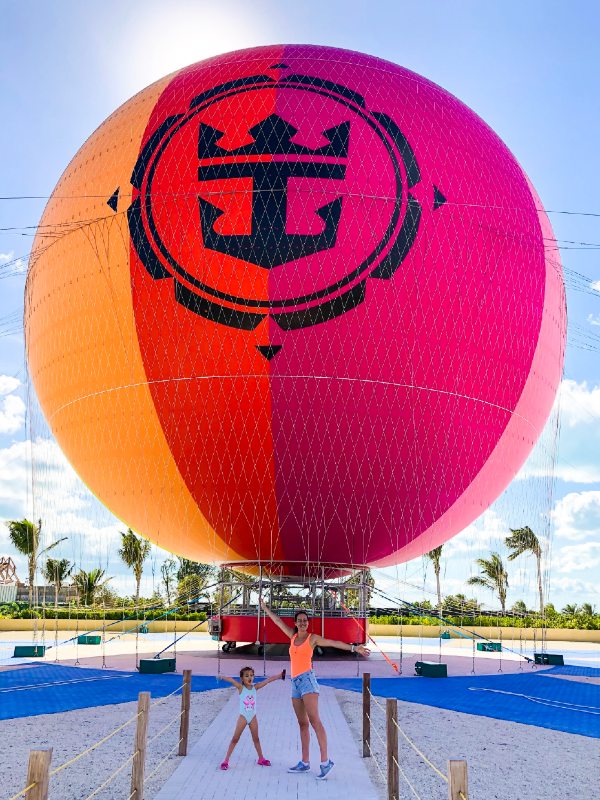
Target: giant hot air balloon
x: 295, y: 304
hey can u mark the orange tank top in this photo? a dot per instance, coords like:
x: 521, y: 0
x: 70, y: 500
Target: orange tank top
x: 300, y: 656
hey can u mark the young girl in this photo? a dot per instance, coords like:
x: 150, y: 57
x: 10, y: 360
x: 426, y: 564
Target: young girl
x: 247, y: 690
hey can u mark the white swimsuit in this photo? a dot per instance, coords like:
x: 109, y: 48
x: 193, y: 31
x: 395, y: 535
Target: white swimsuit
x: 248, y: 703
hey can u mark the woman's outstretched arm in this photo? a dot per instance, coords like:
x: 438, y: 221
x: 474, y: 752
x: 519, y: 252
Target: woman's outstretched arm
x: 352, y: 648
x: 277, y: 620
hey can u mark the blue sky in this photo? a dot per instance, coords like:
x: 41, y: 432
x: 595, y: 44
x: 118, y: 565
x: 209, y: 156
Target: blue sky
x: 529, y: 69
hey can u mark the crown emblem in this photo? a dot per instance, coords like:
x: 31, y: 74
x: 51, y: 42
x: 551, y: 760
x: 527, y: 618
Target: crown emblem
x: 268, y: 244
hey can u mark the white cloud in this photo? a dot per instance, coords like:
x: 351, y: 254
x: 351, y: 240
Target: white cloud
x: 8, y: 384
x: 576, y: 516
x: 12, y: 407
x: 577, y: 557
x: 595, y: 286
x: 14, y: 479
x: 579, y: 404
x: 578, y: 458
x: 576, y: 589
x: 12, y: 414
x: 487, y: 532
x: 579, y: 444
x: 594, y: 320
x: 17, y: 265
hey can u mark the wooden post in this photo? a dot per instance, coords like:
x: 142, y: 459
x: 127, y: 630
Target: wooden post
x: 393, y: 780
x: 184, y: 725
x: 366, y: 730
x: 37, y: 773
x: 139, y: 748
x: 457, y: 780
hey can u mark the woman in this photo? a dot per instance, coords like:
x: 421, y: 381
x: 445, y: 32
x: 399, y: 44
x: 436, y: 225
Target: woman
x: 305, y: 689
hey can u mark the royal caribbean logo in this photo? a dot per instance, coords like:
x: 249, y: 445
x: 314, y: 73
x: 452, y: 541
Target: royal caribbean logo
x: 275, y: 198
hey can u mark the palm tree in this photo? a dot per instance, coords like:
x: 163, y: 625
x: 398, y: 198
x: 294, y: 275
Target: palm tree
x: 188, y: 567
x: 134, y: 551
x: 56, y: 571
x: 435, y: 556
x: 88, y: 584
x: 167, y: 570
x: 493, y: 576
x: 25, y: 536
x: 570, y: 610
x: 524, y: 540
x: 587, y: 609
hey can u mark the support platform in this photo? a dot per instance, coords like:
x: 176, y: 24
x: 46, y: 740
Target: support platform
x: 554, y: 659
x: 431, y: 669
x: 489, y: 647
x: 156, y: 666
x: 29, y: 651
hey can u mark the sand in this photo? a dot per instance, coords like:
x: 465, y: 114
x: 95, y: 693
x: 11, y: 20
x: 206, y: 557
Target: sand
x: 506, y: 760
x: 71, y: 732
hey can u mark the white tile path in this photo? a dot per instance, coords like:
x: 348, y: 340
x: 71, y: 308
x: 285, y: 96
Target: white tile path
x: 198, y: 777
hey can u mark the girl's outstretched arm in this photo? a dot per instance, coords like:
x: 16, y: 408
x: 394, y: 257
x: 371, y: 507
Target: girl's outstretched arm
x: 233, y: 682
x: 279, y: 677
x: 277, y: 620
x: 352, y: 648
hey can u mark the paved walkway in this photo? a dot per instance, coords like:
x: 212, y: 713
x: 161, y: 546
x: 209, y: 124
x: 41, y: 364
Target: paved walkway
x: 199, y: 778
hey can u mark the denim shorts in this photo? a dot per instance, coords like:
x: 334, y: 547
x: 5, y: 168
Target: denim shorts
x: 303, y: 684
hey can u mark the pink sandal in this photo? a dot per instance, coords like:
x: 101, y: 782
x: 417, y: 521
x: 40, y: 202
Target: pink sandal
x: 263, y: 762
x: 225, y: 765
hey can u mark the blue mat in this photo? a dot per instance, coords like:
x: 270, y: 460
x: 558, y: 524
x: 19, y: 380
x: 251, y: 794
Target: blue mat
x: 50, y: 688
x: 530, y: 698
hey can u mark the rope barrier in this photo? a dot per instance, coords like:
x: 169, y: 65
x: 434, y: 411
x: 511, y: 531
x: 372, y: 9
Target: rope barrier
x: 109, y: 736
x: 419, y: 752
x: 161, y: 700
x: 160, y: 763
x: 94, y: 746
x: 413, y: 745
x: 405, y: 776
x: 384, y: 745
x: 111, y: 777
x: 23, y: 792
x: 165, y: 727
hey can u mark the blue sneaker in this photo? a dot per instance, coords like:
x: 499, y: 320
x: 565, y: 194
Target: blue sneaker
x: 300, y: 767
x: 325, y: 770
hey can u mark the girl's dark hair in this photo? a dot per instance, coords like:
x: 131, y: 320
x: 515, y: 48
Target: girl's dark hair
x: 246, y: 669
x: 297, y: 614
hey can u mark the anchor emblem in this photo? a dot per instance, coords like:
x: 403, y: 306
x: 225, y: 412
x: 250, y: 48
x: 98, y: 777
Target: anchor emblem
x: 270, y: 161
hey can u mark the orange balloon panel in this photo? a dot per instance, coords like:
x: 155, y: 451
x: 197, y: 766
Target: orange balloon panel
x: 83, y: 350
